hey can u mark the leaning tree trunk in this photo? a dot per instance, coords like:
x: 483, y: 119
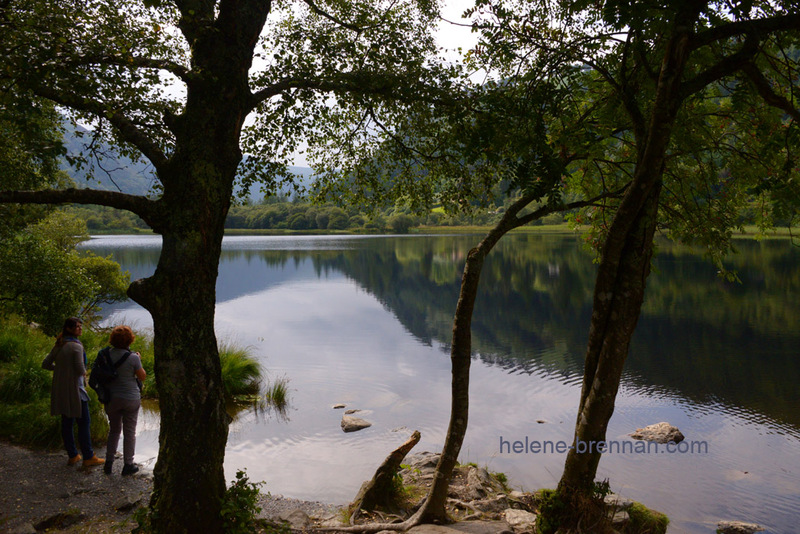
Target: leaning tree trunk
x: 622, y: 274
x: 433, y: 511
x: 609, y: 340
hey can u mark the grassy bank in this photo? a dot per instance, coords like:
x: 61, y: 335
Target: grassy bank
x: 25, y: 387
x: 563, y: 228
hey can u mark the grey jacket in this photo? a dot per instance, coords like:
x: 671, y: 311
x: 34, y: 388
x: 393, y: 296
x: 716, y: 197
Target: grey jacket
x: 66, y: 362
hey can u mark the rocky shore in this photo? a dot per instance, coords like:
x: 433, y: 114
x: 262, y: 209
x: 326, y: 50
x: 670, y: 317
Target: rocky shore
x: 39, y: 492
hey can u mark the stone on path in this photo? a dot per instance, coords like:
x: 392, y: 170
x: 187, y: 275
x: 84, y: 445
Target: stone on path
x: 520, y: 519
x: 298, y: 519
x: 659, y: 432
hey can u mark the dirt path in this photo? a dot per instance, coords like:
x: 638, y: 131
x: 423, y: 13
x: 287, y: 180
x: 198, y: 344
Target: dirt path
x: 37, y: 486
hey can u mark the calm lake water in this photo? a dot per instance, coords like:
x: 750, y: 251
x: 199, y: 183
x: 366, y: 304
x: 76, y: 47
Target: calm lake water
x: 366, y: 321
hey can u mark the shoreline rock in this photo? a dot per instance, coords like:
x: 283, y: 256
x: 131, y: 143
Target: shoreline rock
x: 738, y: 527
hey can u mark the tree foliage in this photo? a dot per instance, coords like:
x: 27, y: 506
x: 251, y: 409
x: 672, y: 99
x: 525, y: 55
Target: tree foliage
x: 173, y: 82
x: 30, y: 145
x: 43, y: 278
x: 691, y: 107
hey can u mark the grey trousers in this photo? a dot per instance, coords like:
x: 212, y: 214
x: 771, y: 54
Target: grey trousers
x: 122, y: 417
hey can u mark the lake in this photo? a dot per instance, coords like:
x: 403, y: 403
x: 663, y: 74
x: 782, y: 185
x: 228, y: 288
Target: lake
x: 366, y: 321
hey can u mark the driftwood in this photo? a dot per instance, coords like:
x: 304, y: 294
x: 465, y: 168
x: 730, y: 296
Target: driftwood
x: 379, y: 490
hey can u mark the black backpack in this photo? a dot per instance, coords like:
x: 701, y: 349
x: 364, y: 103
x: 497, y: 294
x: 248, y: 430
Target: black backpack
x: 103, y: 373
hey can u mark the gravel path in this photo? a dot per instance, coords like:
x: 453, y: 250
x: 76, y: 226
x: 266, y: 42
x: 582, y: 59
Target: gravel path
x: 37, y: 486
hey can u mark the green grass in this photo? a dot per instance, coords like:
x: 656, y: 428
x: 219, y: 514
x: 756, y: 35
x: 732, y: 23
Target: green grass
x: 30, y: 423
x: 241, y: 373
x: 562, y: 228
x: 17, y: 339
x: 752, y: 231
x: 25, y: 387
x: 24, y: 380
x: 277, y: 394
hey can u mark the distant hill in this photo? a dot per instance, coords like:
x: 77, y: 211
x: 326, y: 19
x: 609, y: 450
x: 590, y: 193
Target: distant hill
x: 118, y: 173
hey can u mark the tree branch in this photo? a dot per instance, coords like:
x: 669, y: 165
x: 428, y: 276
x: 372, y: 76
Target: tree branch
x: 746, y: 27
x: 355, y: 83
x: 322, y: 13
x: 765, y: 90
x: 547, y: 209
x: 143, y: 207
x: 133, y: 62
x: 724, y: 67
x: 127, y: 129
x: 195, y: 15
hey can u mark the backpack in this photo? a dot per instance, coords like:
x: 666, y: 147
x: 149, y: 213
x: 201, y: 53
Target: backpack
x: 104, y: 373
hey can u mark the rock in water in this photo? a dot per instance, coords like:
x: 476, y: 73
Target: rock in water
x: 659, y: 432
x: 738, y: 527
x: 352, y: 424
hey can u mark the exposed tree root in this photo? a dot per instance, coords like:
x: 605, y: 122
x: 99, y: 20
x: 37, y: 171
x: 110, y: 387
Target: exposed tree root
x: 409, y: 523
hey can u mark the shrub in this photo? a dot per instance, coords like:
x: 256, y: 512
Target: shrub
x: 400, y: 224
x: 25, y: 380
x: 240, y: 505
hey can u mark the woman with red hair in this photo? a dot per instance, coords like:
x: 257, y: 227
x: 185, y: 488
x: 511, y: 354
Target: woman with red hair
x: 123, y: 408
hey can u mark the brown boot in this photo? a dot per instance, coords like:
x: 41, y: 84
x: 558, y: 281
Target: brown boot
x: 74, y: 460
x: 94, y: 460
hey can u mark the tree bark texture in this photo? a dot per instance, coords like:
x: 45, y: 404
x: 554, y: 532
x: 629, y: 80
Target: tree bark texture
x: 622, y: 274
x: 198, y: 177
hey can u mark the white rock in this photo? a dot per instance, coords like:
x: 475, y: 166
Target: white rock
x: 298, y: 519
x: 520, y: 519
x: 616, y: 502
x: 659, y: 432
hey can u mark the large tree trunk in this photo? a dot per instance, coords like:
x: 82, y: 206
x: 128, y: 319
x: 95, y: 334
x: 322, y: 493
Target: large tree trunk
x: 609, y: 340
x: 189, y: 479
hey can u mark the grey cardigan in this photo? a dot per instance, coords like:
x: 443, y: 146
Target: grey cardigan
x: 66, y: 362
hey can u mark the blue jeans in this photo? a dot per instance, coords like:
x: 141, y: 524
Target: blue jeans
x: 84, y: 433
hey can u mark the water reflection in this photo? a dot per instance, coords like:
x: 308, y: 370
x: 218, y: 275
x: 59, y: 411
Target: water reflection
x: 366, y: 321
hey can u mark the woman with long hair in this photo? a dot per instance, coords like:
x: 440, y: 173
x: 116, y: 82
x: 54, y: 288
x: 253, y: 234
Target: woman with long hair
x: 68, y: 397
